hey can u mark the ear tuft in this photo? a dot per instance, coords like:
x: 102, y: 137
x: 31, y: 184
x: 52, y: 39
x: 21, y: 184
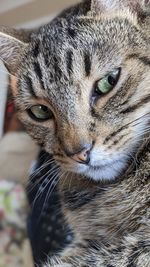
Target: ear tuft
x: 11, y: 50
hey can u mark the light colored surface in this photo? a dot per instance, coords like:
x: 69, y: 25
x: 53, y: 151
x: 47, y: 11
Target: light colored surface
x: 6, y: 5
x: 17, y: 151
x: 15, y: 249
x: 15, y: 12
x: 3, y: 95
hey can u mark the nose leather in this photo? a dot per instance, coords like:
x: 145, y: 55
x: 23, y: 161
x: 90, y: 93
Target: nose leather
x: 83, y: 156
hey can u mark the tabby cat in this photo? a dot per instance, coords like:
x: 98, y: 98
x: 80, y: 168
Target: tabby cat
x: 82, y: 89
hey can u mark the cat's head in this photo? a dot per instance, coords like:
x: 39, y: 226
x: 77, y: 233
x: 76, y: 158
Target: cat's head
x: 82, y: 86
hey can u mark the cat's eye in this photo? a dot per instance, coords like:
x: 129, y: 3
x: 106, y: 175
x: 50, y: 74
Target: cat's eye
x: 40, y: 113
x: 105, y: 85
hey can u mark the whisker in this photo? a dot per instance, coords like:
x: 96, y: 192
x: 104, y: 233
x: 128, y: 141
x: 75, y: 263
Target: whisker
x: 55, y: 181
x: 51, y: 188
x: 148, y: 113
x: 38, y: 170
x: 49, y: 172
x: 40, y: 191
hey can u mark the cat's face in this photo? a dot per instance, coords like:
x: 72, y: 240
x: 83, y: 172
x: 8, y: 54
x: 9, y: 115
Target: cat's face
x: 85, y: 93
x: 82, y: 91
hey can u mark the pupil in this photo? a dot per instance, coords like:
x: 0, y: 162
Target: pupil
x: 45, y: 109
x: 111, y: 80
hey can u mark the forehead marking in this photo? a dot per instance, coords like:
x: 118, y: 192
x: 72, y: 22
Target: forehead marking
x: 69, y: 62
x: 87, y: 63
x: 38, y: 72
x: 30, y: 86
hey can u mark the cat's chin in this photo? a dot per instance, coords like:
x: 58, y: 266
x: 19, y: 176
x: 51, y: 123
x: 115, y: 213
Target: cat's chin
x: 108, y: 172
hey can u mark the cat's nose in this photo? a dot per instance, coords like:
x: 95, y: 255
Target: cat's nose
x: 83, y: 156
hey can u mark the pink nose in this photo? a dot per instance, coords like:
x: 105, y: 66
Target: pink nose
x: 83, y: 156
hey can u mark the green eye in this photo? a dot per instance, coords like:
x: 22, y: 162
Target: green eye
x: 106, y: 84
x: 40, y: 113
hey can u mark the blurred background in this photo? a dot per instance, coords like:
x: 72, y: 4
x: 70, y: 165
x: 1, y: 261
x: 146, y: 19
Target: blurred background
x: 30, y: 13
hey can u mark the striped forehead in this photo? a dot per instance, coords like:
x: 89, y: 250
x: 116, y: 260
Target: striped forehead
x: 57, y: 72
x: 58, y: 60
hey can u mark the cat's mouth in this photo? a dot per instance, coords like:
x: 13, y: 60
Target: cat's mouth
x: 106, y: 171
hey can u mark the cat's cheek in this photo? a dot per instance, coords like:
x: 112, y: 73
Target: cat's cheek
x: 42, y: 133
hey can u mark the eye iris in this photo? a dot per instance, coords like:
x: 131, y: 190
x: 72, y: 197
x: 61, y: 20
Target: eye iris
x: 40, y: 112
x: 106, y: 84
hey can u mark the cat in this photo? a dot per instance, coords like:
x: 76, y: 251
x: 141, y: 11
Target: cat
x: 82, y: 90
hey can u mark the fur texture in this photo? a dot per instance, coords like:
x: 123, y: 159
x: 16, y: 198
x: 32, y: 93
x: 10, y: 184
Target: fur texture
x: 106, y: 201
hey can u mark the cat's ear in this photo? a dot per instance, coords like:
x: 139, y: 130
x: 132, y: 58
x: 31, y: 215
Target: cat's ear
x: 136, y: 6
x: 146, y: 5
x: 11, y: 49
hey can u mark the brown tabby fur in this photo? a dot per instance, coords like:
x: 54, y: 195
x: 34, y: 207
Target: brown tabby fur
x: 107, y: 203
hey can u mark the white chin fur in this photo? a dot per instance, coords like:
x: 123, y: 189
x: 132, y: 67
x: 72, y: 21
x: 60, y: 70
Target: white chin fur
x: 109, y: 172
x: 101, y: 169
x: 106, y: 173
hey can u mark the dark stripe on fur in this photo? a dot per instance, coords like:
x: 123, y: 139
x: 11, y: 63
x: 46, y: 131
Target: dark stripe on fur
x: 87, y: 62
x: 131, y: 265
x: 136, y: 106
x: 58, y: 72
x: 30, y: 86
x: 36, y: 50
x: 145, y: 60
x: 75, y: 200
x: 95, y: 114
x: 72, y: 33
x: 114, y: 134
x: 38, y: 71
x: 118, y: 131
x: 69, y: 61
x: 115, y: 142
x: 92, y: 127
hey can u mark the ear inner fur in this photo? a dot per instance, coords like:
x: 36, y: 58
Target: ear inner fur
x: 11, y: 50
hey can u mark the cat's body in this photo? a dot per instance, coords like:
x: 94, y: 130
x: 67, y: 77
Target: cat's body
x: 82, y: 91
x: 111, y: 222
